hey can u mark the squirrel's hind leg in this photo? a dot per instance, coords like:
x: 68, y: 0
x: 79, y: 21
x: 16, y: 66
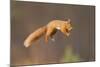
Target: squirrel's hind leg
x: 49, y: 33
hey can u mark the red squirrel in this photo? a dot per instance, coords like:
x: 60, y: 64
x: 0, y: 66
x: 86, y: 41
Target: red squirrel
x: 49, y: 30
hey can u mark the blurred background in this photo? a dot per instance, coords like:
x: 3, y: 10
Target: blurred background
x: 28, y: 16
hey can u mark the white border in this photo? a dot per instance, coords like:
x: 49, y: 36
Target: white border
x: 4, y: 32
x: 81, y: 2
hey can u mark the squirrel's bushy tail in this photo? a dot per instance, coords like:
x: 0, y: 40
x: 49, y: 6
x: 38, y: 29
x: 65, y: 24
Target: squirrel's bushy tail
x: 34, y: 36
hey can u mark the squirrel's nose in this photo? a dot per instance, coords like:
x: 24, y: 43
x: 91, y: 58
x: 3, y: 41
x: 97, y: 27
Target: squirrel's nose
x: 70, y: 28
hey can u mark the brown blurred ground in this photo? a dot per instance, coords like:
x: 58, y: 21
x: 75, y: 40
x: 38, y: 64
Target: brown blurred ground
x: 28, y: 16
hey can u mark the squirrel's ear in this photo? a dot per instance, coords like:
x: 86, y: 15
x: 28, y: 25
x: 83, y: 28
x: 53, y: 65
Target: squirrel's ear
x: 68, y: 20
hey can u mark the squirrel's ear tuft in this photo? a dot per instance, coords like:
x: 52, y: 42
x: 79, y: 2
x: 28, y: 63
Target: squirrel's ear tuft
x: 68, y: 20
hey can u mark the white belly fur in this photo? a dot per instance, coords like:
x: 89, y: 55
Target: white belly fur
x: 58, y: 28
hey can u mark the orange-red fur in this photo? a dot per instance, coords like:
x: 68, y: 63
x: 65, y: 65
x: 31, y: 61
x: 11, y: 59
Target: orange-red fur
x: 49, y: 30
